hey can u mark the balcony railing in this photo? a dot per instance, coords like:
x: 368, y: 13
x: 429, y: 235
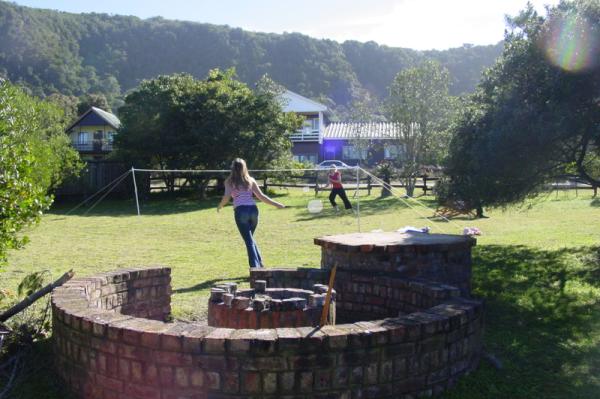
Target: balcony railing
x: 305, y: 135
x: 96, y: 145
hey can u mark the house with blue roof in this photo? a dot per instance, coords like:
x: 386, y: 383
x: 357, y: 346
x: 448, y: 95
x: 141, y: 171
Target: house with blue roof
x: 92, y: 134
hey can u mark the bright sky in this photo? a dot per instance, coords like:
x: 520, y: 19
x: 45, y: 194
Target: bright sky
x: 417, y: 24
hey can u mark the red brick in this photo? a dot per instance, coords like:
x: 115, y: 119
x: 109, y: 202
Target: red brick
x: 110, y: 383
x: 251, y: 382
x: 136, y: 371
x: 166, y: 375
x: 138, y: 391
x: 151, y: 375
x: 182, y: 377
x: 197, y: 378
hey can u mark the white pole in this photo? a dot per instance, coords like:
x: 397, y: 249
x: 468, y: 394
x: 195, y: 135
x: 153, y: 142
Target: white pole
x: 358, y: 197
x: 137, y: 201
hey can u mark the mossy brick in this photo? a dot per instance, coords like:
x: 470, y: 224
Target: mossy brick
x: 269, y: 383
x: 182, y: 377
x: 286, y: 381
x: 305, y: 381
x: 197, y: 378
x: 336, y: 338
x: 263, y: 342
x: 214, y: 342
x: 230, y: 382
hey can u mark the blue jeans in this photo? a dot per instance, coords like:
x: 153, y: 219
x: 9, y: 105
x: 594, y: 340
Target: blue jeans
x: 246, y: 219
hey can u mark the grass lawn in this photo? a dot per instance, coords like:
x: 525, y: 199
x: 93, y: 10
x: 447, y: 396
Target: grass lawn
x: 538, y: 269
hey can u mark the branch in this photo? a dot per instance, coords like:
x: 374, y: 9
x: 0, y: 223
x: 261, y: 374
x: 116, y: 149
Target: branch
x: 25, y: 303
x: 581, y: 168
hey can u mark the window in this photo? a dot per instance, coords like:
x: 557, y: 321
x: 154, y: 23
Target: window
x: 110, y: 137
x: 83, y: 138
x: 315, y: 124
x: 351, y: 152
x: 392, y: 151
x: 311, y: 124
x: 306, y: 158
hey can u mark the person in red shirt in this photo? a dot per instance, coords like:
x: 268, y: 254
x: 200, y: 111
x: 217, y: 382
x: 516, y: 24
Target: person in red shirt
x: 335, y: 179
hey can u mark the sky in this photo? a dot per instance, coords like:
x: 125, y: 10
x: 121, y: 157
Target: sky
x: 416, y: 24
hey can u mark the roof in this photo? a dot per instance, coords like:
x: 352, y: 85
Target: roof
x: 107, y: 117
x: 294, y: 102
x: 362, y: 130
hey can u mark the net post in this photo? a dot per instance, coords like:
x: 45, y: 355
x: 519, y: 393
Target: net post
x: 137, y: 201
x: 358, y: 197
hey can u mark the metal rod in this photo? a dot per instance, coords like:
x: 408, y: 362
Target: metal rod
x: 137, y: 201
x: 358, y: 197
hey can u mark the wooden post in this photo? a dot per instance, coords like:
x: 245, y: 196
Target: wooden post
x: 265, y: 187
x: 35, y: 296
x: 316, y: 183
x: 424, y: 184
x: 369, y: 185
x: 325, y: 311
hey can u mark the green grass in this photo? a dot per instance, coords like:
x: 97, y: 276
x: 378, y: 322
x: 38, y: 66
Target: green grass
x: 538, y: 269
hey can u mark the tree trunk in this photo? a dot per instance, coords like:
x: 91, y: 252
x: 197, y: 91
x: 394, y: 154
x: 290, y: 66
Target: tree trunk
x: 479, y: 210
x: 386, y: 192
x: 202, y: 188
x: 410, y: 186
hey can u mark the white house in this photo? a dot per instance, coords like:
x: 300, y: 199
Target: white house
x: 306, y: 142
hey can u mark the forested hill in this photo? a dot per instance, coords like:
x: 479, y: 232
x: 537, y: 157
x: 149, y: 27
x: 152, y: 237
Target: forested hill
x: 51, y: 51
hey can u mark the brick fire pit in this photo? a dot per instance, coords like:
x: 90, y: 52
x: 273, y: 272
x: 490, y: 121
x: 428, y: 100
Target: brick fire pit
x: 409, y: 329
x: 263, y: 307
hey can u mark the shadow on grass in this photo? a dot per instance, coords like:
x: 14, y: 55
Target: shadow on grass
x: 595, y: 202
x: 162, y: 205
x: 209, y: 284
x: 542, y: 321
x: 156, y: 204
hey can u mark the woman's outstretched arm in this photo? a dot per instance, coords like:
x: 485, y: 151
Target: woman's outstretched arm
x: 225, y: 199
x: 263, y: 197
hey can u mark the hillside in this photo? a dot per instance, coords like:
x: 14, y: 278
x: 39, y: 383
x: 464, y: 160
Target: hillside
x: 50, y: 51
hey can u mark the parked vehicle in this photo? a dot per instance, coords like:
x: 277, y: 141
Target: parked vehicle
x: 330, y: 163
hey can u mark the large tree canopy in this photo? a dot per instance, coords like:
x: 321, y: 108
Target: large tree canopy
x: 536, y: 113
x: 178, y: 122
x: 35, y: 155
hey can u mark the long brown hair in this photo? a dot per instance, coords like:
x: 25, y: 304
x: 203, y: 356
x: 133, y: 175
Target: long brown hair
x: 239, y: 177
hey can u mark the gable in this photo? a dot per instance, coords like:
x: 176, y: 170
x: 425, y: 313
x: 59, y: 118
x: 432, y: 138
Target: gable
x: 96, y: 117
x: 293, y: 102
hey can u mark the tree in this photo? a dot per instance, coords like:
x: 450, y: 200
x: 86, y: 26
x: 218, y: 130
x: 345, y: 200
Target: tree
x: 178, y: 122
x: 92, y: 100
x: 35, y: 155
x: 364, y: 111
x: 536, y: 111
x: 419, y: 102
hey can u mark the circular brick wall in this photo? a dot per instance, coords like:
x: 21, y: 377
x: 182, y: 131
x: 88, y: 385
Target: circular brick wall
x: 262, y: 307
x: 112, y: 340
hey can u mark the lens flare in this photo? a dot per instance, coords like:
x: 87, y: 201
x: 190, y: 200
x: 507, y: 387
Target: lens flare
x: 572, y: 43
